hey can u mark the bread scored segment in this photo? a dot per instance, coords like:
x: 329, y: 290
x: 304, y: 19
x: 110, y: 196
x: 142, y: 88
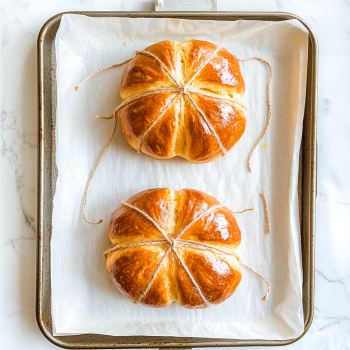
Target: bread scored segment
x: 197, y: 72
x: 149, y: 268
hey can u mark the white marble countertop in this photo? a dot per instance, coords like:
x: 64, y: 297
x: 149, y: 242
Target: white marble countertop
x: 21, y: 22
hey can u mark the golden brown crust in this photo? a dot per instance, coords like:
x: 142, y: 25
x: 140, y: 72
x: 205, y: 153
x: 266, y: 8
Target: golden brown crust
x: 201, y: 145
x: 137, y: 117
x: 187, y: 296
x: 160, y: 292
x: 227, y: 119
x: 122, y: 227
x: 167, y: 52
x: 219, y: 228
x: 144, y: 73
x: 222, y: 75
x: 182, y: 130
x: 216, y: 276
x: 160, y: 140
x: 191, y: 203
x: 127, y: 225
x: 194, y: 53
x: 132, y: 269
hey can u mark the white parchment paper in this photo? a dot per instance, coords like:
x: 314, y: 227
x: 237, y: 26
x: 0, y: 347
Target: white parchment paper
x: 84, y: 299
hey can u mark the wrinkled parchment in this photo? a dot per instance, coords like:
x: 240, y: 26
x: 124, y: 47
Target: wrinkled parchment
x: 84, y: 299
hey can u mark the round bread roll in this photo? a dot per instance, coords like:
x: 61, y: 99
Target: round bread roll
x: 183, y: 99
x: 174, y: 246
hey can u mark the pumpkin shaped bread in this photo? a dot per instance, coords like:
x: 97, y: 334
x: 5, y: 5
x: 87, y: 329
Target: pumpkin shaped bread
x: 183, y: 99
x: 174, y: 246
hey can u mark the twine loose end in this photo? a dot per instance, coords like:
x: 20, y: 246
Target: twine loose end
x: 92, y: 175
x: 102, y: 117
x: 100, y: 70
x: 266, y: 213
x: 249, y: 167
x: 242, y: 211
x: 93, y: 223
x: 266, y: 296
x: 269, y: 111
x: 264, y: 299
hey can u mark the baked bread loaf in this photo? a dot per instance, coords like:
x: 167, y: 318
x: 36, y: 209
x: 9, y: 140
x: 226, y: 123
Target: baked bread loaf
x: 174, y: 246
x: 183, y: 99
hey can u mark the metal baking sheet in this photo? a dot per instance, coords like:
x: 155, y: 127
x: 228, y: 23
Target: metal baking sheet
x: 47, y: 175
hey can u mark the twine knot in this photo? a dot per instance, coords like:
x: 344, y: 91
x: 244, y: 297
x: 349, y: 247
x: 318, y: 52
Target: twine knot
x: 172, y: 242
x: 182, y: 88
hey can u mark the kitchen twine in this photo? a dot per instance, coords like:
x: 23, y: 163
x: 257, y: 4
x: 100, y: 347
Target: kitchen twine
x: 180, y: 89
x: 266, y: 213
x: 177, y: 242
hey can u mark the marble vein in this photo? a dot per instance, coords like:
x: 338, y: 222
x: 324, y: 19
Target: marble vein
x: 330, y: 319
x: 12, y: 144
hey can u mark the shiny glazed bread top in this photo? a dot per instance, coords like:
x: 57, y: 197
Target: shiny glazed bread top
x: 195, y: 111
x: 174, y: 246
